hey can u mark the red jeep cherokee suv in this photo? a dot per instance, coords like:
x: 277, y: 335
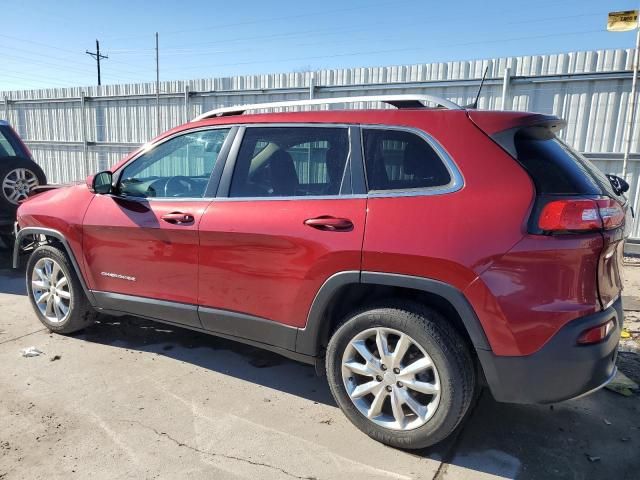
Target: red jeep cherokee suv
x: 416, y: 252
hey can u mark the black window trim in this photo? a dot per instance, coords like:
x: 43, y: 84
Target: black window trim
x: 214, y: 178
x: 455, y: 184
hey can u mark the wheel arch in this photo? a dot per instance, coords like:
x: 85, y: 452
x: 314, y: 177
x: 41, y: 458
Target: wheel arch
x: 50, y: 233
x: 367, y: 287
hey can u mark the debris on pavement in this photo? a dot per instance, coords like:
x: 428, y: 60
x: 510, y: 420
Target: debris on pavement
x: 592, y: 458
x: 54, y: 358
x: 31, y: 352
x: 622, y: 384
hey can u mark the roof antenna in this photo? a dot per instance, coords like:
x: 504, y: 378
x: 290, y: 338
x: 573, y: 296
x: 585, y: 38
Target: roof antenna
x: 474, y: 105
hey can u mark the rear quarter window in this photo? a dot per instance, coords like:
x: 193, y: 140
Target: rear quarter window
x: 556, y: 168
x: 401, y: 160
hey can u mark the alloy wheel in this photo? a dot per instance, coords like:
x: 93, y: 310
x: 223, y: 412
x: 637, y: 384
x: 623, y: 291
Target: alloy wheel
x: 391, y: 379
x: 50, y: 290
x: 17, y: 184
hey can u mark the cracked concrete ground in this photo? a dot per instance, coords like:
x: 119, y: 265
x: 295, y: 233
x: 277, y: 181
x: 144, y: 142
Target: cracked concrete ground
x: 133, y: 399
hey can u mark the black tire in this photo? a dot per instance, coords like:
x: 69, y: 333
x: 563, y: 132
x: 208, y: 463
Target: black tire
x: 81, y: 313
x: 6, y: 241
x: 7, y: 164
x: 447, y: 350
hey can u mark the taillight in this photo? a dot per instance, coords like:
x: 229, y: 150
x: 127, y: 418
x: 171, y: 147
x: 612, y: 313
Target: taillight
x: 596, y: 334
x: 611, y: 213
x: 580, y: 215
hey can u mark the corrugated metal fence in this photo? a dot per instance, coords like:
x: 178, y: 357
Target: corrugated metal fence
x: 77, y: 131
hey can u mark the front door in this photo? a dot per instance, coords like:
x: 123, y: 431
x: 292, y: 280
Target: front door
x: 286, y: 222
x: 141, y: 243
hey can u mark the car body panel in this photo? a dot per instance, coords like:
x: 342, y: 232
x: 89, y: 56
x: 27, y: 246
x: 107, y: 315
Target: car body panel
x: 531, y: 292
x: 62, y: 210
x: 129, y: 249
x: 253, y: 261
x: 455, y: 237
x: 492, y: 122
x: 259, y: 258
x: 610, y: 282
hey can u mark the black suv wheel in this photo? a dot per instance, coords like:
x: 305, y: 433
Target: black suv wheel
x: 18, y: 176
x: 401, y: 374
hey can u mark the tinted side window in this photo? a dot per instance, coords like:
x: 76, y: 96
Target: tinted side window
x: 553, y: 166
x: 399, y: 160
x: 6, y: 149
x: 179, y: 167
x: 290, y: 161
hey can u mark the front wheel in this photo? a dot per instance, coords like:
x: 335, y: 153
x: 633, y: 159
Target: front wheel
x: 55, y: 291
x: 401, y: 374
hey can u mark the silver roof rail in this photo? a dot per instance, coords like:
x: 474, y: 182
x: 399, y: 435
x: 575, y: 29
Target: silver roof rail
x: 398, y: 101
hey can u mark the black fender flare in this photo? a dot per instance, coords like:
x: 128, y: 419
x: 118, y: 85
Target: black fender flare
x: 49, y: 232
x: 309, y: 339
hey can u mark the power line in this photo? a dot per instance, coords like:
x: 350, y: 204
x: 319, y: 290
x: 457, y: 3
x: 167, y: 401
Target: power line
x: 262, y: 20
x: 52, y: 47
x: 40, y: 80
x: 67, y: 64
x: 42, y: 62
x: 316, y: 14
x: 187, y: 48
x: 96, y: 55
x: 372, y: 52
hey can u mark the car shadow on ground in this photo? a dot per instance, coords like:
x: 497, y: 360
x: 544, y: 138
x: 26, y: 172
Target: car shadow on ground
x: 576, y: 439
x: 586, y: 438
x: 12, y: 280
x: 212, y: 353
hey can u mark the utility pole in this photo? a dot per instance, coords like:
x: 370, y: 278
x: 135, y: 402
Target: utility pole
x: 157, y: 87
x: 96, y: 55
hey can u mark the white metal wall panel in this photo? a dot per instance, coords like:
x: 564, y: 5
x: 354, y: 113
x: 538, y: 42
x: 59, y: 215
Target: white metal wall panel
x: 588, y: 89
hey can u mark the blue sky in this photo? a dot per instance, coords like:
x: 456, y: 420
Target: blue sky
x: 42, y: 43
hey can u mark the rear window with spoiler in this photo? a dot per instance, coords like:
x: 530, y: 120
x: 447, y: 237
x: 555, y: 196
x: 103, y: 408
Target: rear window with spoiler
x: 573, y: 195
x: 556, y: 168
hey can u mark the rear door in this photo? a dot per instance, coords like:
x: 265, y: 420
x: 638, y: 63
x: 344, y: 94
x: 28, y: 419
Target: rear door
x: 141, y: 243
x: 284, y: 221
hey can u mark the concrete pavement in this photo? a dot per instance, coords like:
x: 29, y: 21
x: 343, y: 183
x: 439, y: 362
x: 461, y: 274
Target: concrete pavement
x: 134, y: 399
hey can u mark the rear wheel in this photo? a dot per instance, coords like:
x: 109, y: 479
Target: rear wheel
x: 401, y: 374
x: 55, y: 291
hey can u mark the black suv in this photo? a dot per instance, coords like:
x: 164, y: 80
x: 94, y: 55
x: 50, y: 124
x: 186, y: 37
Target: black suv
x: 19, y: 174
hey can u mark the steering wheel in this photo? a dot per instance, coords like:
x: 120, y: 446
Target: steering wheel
x: 179, y: 185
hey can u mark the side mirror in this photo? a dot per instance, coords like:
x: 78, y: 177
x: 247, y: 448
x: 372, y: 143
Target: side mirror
x: 101, y: 183
x: 619, y: 184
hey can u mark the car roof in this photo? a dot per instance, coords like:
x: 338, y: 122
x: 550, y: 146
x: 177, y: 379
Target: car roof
x: 409, y: 117
x: 351, y: 116
x: 4, y: 123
